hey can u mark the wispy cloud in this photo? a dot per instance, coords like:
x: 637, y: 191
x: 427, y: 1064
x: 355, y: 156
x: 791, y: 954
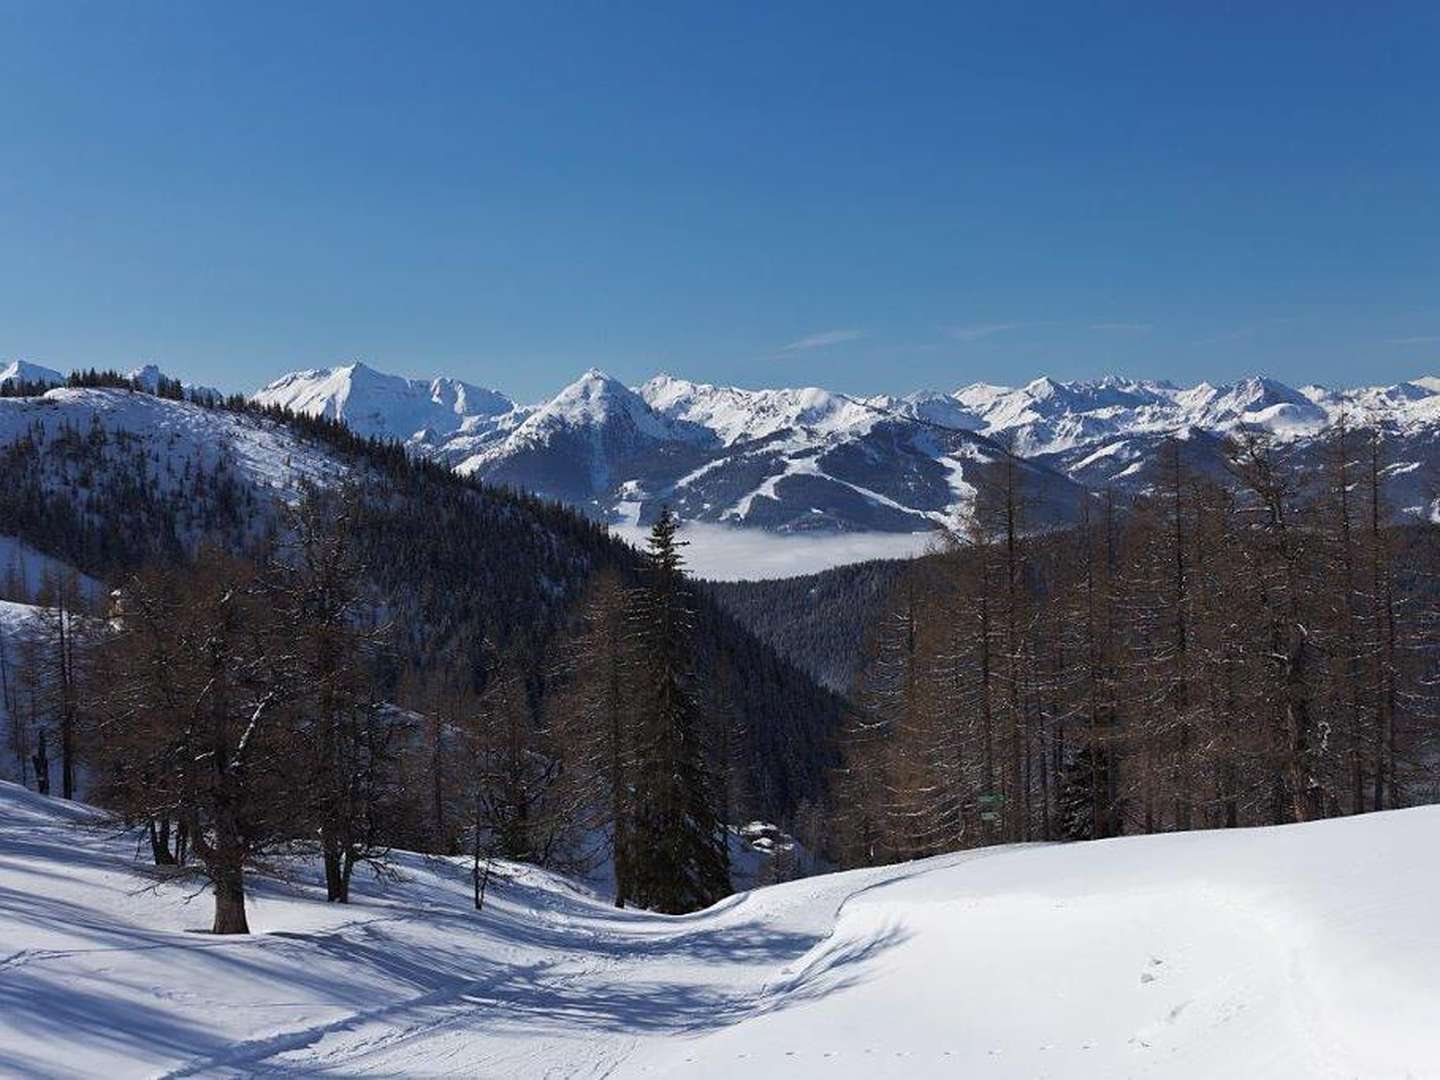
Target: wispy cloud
x: 980, y: 331
x: 1122, y: 327
x: 1428, y: 339
x: 823, y: 340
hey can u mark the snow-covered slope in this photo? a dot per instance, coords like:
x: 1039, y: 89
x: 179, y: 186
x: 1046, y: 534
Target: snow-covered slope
x: 1107, y: 433
x: 735, y: 415
x: 793, y: 461
x: 104, y: 478
x: 149, y: 376
x: 25, y: 371
x: 1046, y: 416
x: 25, y: 573
x: 373, y: 403
x: 586, y: 443
x: 1302, y: 951
x: 811, y: 460
x: 176, y: 434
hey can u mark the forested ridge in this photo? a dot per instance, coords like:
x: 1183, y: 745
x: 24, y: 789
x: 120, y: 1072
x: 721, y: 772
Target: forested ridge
x: 479, y: 594
x: 816, y: 621
x: 1214, y: 654
x: 410, y: 658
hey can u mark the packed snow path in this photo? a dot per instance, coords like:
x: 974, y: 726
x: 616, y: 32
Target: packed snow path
x: 1302, y: 951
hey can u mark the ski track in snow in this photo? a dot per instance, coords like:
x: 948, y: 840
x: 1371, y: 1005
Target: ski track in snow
x: 1294, y: 952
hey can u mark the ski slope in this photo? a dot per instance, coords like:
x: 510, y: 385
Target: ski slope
x: 1292, y: 952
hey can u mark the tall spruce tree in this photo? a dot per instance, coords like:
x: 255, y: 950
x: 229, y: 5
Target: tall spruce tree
x: 679, y: 859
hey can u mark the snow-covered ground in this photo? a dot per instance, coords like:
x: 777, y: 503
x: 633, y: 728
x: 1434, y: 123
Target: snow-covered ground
x: 177, y: 433
x: 26, y: 571
x: 1292, y: 952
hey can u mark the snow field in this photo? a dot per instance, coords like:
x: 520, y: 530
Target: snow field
x: 1301, y: 951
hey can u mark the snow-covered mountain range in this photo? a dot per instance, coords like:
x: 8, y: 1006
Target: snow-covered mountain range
x: 809, y: 459
x: 388, y: 406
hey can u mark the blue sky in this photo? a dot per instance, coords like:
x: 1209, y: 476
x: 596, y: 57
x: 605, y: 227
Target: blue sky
x: 869, y: 197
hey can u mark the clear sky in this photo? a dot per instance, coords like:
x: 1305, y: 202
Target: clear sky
x: 869, y: 197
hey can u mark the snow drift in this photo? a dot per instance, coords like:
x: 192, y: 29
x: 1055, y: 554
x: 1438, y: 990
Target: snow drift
x: 1307, y: 950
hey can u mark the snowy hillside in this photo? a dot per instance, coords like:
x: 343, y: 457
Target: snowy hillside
x: 1300, y: 951
x: 24, y: 572
x: 790, y: 461
x: 25, y: 371
x: 585, y: 442
x: 150, y: 378
x: 808, y: 462
x: 176, y: 435
x: 735, y: 415
x: 373, y: 403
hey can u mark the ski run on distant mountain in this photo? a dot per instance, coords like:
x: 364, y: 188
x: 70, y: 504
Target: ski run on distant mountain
x: 812, y: 461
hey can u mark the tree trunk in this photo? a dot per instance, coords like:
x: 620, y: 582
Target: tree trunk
x: 67, y: 706
x: 229, y: 885
x: 337, y: 887
x: 41, y: 762
x: 160, y: 842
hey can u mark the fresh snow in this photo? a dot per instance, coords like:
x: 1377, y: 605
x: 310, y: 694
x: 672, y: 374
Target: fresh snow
x: 16, y: 618
x: 148, y: 377
x: 808, y: 459
x: 593, y: 399
x: 479, y: 431
x: 596, y: 413
x: 263, y: 453
x: 26, y: 571
x: 388, y: 406
x: 1046, y: 416
x: 25, y: 371
x: 1299, y: 951
x: 737, y: 415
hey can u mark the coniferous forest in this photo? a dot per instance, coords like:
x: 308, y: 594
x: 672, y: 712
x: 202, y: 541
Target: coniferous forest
x: 397, y: 659
x: 404, y: 658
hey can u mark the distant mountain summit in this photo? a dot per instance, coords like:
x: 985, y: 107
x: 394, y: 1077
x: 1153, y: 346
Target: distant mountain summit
x: 586, y: 444
x: 388, y: 406
x: 150, y: 379
x: 23, y: 371
x: 809, y: 459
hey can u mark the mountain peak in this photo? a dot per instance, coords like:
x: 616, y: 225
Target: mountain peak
x: 25, y: 371
x: 389, y: 406
x: 592, y: 398
x: 1043, y: 386
x: 149, y: 376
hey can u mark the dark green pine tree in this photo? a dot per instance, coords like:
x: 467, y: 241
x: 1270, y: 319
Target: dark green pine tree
x: 680, y: 861
x: 1083, y: 779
